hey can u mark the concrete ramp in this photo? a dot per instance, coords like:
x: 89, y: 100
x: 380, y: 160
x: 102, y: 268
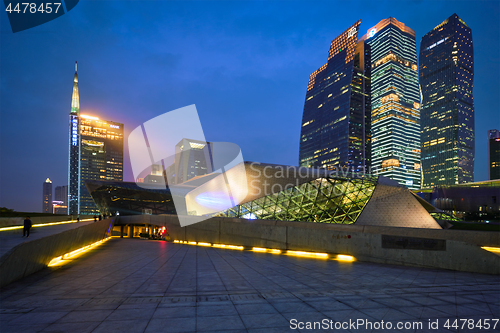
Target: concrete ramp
x: 31, y: 256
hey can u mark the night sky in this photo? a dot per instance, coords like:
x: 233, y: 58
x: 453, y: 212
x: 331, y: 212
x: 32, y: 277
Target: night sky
x: 244, y: 64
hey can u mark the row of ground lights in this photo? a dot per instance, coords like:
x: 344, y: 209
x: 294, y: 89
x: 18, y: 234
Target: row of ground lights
x: 44, y: 224
x: 71, y: 255
x: 340, y: 257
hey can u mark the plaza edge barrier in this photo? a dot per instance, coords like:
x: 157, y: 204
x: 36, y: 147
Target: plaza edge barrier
x: 17, y: 221
x: 462, y: 251
x: 33, y: 255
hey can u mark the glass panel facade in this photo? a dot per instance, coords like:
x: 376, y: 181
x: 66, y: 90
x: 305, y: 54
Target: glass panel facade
x: 395, y: 100
x: 323, y: 200
x: 447, y: 114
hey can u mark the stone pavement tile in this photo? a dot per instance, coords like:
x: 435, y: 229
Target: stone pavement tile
x: 495, y: 310
x: 450, y: 309
x: 338, y: 315
x: 34, y: 318
x: 396, y: 315
x: 171, y: 325
x: 329, y: 305
x: 218, y: 323
x: 6, y: 317
x: 131, y: 314
x: 216, y: 310
x: 85, y: 316
x: 465, y: 311
x: 305, y: 316
x: 173, y: 312
x: 85, y: 327
x: 23, y: 328
x: 255, y: 308
x: 271, y: 330
x: 292, y: 306
x: 121, y: 326
x: 377, y: 314
x: 361, y: 303
x: 426, y: 300
x: 264, y: 320
x: 430, y: 313
x: 138, y: 306
x: 394, y: 302
x: 414, y: 311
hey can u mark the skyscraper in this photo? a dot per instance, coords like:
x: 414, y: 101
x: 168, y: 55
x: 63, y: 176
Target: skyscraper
x: 95, y: 153
x: 447, y: 114
x: 47, y: 196
x: 494, y: 154
x: 74, y: 150
x: 395, y: 100
x: 101, y: 156
x: 61, y: 194
x: 336, y: 120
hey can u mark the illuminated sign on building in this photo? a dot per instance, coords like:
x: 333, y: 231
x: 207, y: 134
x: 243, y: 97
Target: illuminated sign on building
x: 114, y: 126
x: 74, y: 130
x: 352, y: 32
x: 437, y: 43
x: 372, y: 32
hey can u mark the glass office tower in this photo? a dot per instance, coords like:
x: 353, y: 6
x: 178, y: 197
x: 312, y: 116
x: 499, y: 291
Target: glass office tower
x: 336, y: 120
x: 101, y: 156
x: 493, y: 154
x: 395, y: 100
x: 447, y: 114
x: 47, y: 197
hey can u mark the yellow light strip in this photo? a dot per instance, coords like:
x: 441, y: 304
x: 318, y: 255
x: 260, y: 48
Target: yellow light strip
x: 43, y: 224
x: 263, y: 249
x: 491, y: 249
x: 319, y: 255
x: 259, y: 249
x: 71, y: 255
x: 307, y: 254
x: 343, y: 257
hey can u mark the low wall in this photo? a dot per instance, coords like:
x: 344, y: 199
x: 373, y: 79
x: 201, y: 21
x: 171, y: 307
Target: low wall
x: 448, y: 249
x: 31, y: 256
x: 12, y: 221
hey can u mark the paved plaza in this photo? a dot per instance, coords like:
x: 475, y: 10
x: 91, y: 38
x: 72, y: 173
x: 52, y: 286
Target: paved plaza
x: 133, y: 285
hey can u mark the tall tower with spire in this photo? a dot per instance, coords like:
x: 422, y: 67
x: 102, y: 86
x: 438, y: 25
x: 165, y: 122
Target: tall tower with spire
x: 74, y: 151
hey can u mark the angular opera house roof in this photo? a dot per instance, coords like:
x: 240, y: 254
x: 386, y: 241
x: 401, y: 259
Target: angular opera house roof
x: 278, y: 192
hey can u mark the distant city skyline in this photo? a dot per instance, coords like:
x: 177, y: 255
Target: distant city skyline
x: 243, y: 64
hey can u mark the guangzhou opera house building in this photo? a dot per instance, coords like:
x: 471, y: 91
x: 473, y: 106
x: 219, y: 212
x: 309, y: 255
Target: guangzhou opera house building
x: 276, y: 192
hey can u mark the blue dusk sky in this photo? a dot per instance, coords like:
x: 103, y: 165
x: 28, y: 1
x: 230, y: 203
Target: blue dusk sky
x: 244, y: 64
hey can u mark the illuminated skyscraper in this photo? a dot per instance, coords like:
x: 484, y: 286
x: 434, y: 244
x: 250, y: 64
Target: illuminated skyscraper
x: 101, y: 156
x: 96, y: 153
x: 47, y: 196
x: 494, y: 154
x: 395, y: 99
x: 447, y: 114
x: 336, y: 120
x: 74, y: 150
